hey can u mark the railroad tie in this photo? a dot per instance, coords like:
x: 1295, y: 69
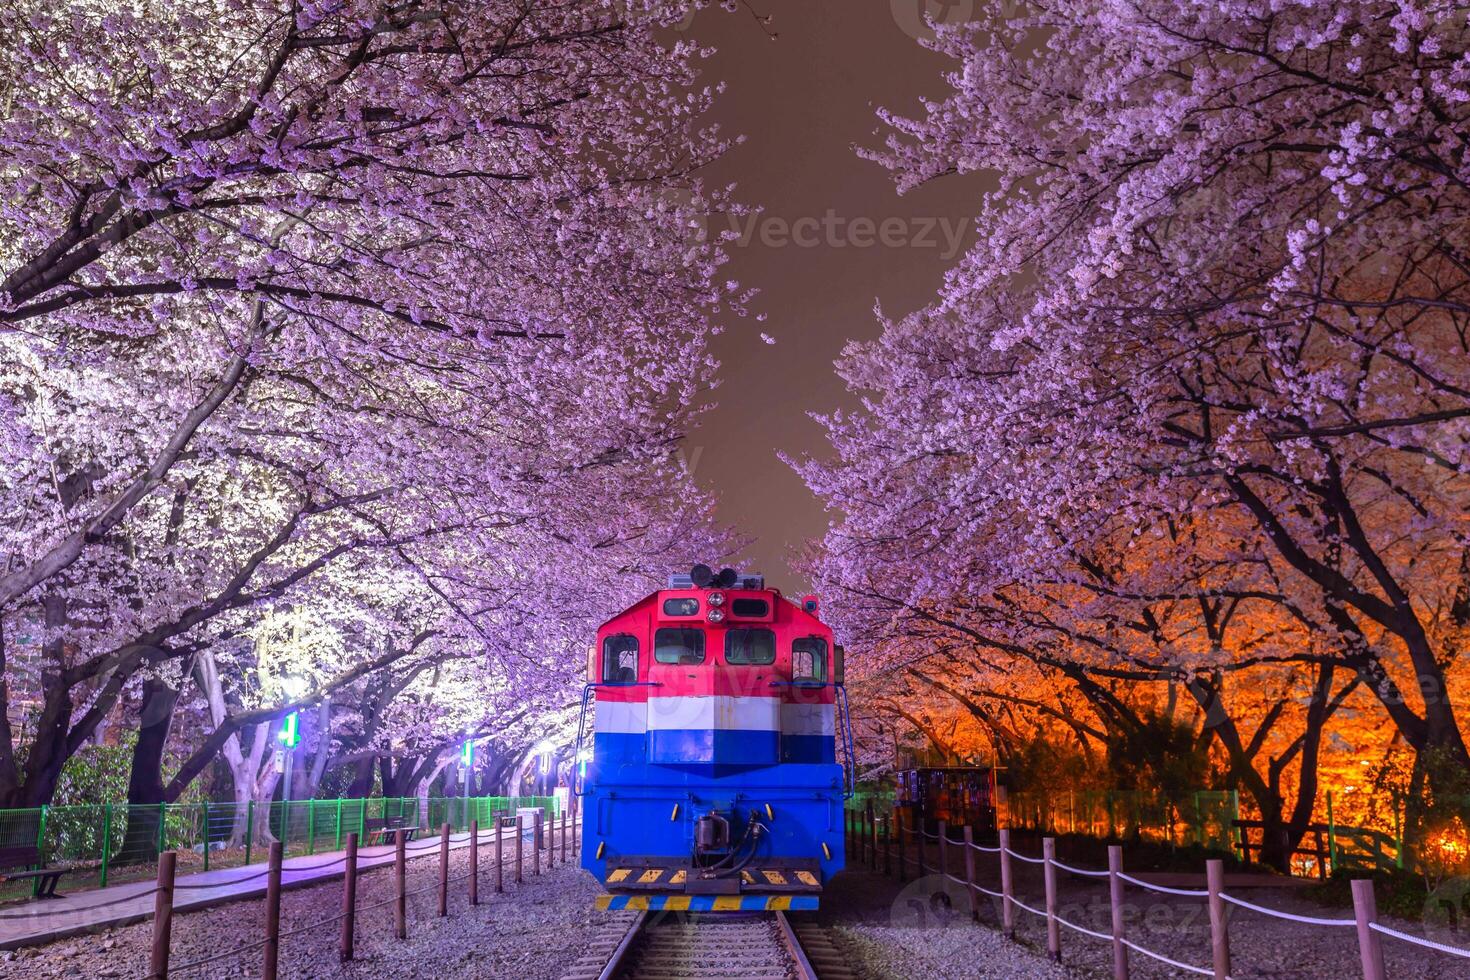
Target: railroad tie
x: 823, y: 954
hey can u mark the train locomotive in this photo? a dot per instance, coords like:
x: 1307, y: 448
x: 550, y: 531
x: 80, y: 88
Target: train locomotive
x: 712, y: 711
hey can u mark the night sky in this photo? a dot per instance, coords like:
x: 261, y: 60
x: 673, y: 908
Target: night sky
x: 803, y: 102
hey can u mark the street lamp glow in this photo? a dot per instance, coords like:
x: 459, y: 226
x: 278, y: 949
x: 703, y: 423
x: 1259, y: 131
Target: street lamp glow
x: 289, y: 733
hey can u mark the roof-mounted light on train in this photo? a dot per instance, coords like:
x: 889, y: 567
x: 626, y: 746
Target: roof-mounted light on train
x: 716, y: 616
x: 715, y: 598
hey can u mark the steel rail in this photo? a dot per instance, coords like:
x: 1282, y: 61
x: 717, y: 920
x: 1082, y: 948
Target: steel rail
x: 620, y: 953
x: 804, y: 968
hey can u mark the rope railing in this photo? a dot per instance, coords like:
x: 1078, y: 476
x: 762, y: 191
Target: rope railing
x: 301, y: 930
x: 1164, y: 889
x: 236, y: 951
x: 1364, y: 919
x: 1164, y: 959
x: 1084, y: 930
x: 1420, y: 940
x: 538, y: 835
x: 1085, y: 872
x: 315, y: 925
x: 1310, y: 920
x: 198, y: 885
x: 1023, y: 906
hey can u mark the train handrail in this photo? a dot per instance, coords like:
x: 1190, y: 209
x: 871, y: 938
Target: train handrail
x: 578, y: 778
x: 849, y: 774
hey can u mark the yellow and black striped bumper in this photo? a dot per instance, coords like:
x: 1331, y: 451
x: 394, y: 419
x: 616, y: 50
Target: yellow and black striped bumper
x: 708, y: 903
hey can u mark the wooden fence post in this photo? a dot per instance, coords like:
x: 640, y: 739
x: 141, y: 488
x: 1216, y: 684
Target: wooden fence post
x: 475, y: 862
x: 1219, y: 936
x: 536, y: 844
x: 272, y: 914
x: 443, y: 870
x: 919, y: 846
x: 1007, y: 911
x: 970, y: 872
x: 499, y: 852
x: 520, y: 840
x: 564, y: 837
x: 888, y: 845
x: 1115, y: 905
x: 1365, y: 911
x: 872, y: 838
x: 903, y: 858
x: 349, y: 899
x: 163, y: 916
x: 943, y: 848
x: 400, y: 883
x: 1049, y: 875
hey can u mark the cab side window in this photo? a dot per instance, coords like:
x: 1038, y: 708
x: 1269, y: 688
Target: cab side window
x: 620, y: 659
x: 809, y: 659
x: 679, y: 645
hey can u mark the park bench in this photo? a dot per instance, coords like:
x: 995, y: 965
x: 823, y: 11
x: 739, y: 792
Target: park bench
x: 380, y: 830
x: 25, y: 857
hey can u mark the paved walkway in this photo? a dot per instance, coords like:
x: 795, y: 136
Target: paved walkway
x: 44, y: 920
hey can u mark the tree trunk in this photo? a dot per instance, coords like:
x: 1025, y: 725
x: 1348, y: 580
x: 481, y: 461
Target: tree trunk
x: 362, y: 783
x: 311, y: 782
x: 48, y: 749
x: 145, y: 781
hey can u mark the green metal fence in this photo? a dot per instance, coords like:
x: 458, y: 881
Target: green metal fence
x: 111, y: 843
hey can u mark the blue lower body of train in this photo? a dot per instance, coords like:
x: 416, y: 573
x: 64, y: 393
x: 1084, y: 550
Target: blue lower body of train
x: 706, y: 837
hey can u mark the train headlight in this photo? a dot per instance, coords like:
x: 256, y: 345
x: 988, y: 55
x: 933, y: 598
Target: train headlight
x: 716, y: 598
x: 716, y: 616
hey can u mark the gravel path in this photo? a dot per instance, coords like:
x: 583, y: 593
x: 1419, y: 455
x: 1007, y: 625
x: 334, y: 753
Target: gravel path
x: 532, y: 931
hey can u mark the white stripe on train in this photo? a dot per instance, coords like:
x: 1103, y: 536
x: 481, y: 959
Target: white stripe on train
x: 719, y: 712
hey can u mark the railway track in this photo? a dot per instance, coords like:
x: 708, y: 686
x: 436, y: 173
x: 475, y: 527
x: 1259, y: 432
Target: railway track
x: 685, y: 946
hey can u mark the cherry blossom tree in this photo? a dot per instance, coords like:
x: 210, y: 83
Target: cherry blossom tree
x: 1218, y: 301
x: 307, y: 303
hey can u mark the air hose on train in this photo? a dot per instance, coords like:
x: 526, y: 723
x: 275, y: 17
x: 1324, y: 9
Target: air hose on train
x: 753, y: 831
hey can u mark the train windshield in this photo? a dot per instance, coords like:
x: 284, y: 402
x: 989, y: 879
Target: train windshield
x: 620, y: 659
x: 679, y: 646
x: 809, y: 659
x: 750, y: 646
